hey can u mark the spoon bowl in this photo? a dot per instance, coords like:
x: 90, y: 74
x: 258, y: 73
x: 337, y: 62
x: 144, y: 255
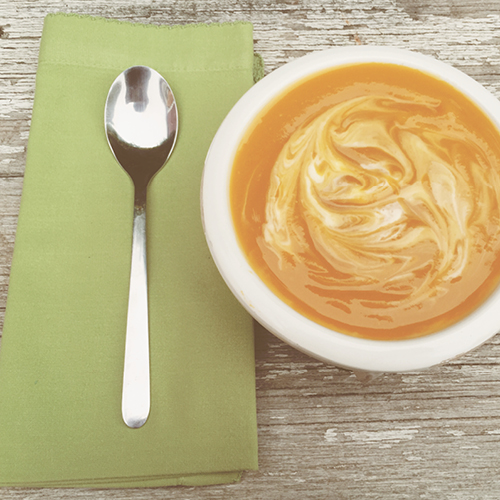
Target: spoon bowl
x: 141, y: 123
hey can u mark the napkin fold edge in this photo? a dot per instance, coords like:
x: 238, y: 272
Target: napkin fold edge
x: 147, y: 25
x: 207, y: 479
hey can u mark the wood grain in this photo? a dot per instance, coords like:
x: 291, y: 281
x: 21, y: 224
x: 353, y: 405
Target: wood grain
x: 323, y: 432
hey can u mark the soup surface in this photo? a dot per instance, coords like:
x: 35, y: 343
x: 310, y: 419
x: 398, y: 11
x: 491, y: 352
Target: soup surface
x: 367, y: 198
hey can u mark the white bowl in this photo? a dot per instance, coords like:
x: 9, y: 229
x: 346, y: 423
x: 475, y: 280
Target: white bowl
x: 280, y: 319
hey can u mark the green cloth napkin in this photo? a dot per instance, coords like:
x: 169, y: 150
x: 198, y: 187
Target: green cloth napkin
x: 61, y: 360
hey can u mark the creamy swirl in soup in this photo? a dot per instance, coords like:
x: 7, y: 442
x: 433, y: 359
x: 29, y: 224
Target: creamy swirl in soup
x: 372, y: 208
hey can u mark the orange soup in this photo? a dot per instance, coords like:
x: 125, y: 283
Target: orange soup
x: 367, y: 198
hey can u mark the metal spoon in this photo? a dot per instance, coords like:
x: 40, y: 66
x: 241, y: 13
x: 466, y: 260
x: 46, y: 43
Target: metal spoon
x: 141, y: 128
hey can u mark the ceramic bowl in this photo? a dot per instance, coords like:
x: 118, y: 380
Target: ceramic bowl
x: 277, y: 317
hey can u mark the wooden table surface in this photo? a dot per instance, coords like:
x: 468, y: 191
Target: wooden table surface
x: 323, y: 433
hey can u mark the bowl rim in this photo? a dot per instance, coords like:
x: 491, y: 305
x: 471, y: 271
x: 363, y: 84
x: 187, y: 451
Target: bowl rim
x: 280, y: 319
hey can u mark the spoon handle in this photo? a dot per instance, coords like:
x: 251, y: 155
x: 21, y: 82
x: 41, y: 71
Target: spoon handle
x: 136, y: 390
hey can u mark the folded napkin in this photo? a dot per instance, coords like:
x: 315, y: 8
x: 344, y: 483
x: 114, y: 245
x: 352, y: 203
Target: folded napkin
x: 61, y: 360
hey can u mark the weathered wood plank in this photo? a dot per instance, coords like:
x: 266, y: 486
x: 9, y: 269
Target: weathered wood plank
x: 323, y: 433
